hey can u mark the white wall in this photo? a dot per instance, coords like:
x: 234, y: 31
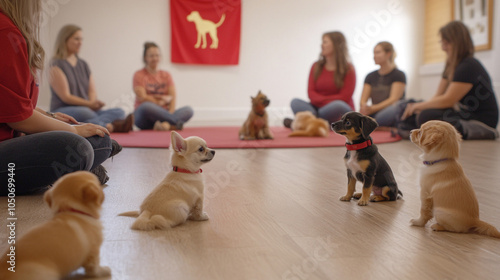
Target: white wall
x: 280, y: 39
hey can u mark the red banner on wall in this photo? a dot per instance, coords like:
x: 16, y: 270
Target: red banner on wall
x: 205, y: 31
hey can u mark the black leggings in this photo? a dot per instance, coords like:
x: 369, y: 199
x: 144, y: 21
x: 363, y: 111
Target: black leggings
x: 35, y: 161
x: 448, y: 115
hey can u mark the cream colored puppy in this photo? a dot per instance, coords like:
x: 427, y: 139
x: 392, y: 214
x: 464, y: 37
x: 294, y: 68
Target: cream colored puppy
x: 180, y: 195
x: 70, y: 240
x: 446, y: 193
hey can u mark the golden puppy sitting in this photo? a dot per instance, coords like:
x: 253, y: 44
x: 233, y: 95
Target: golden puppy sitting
x: 70, y: 240
x: 446, y: 193
x: 180, y: 195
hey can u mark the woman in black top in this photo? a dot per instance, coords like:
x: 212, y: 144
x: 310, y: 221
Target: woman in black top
x: 385, y: 87
x: 465, y: 96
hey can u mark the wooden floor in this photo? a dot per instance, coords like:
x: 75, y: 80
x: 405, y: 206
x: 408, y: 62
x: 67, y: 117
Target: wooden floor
x: 275, y: 214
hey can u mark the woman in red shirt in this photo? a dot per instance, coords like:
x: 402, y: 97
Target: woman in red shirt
x: 331, y: 81
x: 54, y: 144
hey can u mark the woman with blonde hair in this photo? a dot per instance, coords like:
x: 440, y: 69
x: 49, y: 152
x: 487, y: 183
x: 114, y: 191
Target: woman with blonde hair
x: 464, y: 97
x: 331, y: 81
x: 53, y: 143
x: 73, y: 88
x: 385, y: 87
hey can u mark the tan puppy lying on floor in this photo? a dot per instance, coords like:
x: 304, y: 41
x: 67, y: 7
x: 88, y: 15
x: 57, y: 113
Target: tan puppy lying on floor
x: 70, y: 240
x: 446, y: 193
x: 180, y: 195
x: 306, y: 124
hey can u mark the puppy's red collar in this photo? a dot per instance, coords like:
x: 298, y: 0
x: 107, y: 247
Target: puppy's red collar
x: 355, y: 147
x: 182, y: 170
x: 76, y: 211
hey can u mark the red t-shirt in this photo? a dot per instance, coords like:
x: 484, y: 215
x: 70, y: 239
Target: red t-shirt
x: 324, y: 90
x: 18, y: 89
x: 155, y: 84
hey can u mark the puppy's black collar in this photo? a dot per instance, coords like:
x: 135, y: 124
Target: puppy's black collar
x: 429, y: 163
x: 359, y: 146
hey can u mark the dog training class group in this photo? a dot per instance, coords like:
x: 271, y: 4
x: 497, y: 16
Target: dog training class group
x: 36, y: 143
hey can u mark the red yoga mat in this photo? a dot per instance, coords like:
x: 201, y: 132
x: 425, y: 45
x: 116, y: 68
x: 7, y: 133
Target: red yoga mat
x: 226, y: 137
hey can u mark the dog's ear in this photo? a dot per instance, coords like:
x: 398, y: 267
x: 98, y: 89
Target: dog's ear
x: 47, y: 197
x: 177, y: 142
x: 430, y: 138
x: 91, y: 194
x: 368, y: 125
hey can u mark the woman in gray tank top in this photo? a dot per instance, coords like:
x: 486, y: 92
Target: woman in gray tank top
x: 73, y: 89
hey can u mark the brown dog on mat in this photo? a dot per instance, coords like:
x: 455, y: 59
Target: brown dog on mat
x: 256, y: 126
x: 306, y: 124
x: 71, y: 239
x: 445, y: 192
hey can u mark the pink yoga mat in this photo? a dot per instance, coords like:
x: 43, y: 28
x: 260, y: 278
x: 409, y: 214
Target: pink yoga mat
x: 227, y: 137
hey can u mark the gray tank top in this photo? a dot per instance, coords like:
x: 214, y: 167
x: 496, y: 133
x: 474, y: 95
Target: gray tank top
x: 78, y: 80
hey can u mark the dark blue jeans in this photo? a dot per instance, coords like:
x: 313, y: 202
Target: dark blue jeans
x: 148, y: 113
x: 38, y: 160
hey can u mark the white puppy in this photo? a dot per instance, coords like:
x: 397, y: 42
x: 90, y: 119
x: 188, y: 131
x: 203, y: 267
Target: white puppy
x: 180, y: 195
x: 446, y: 193
x: 70, y: 240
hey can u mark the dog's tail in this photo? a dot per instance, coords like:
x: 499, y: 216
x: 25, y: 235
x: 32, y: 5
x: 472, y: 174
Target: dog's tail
x: 133, y: 214
x: 486, y: 229
x: 400, y: 195
x: 220, y: 21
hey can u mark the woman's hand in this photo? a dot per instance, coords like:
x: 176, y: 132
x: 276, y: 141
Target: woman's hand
x: 90, y: 129
x: 65, y: 118
x: 411, y: 109
x: 366, y: 110
x: 96, y: 105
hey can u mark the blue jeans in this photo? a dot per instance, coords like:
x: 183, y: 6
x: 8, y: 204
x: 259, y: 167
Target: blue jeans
x: 42, y: 158
x: 387, y: 116
x: 87, y: 115
x: 148, y: 113
x: 331, y: 112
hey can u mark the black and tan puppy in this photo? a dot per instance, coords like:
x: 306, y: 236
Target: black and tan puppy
x: 256, y: 126
x: 363, y: 161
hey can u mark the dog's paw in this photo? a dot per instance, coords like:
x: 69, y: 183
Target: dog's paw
x: 100, y: 271
x: 357, y: 195
x: 363, y: 202
x: 345, y: 198
x: 437, y: 227
x: 377, y: 198
x: 202, y: 217
x: 417, y: 222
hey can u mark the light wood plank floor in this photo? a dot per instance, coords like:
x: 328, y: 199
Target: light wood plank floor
x: 275, y: 214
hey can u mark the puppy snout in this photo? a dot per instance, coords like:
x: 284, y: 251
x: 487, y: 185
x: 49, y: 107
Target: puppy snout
x: 336, y: 125
x: 266, y: 102
x: 212, y: 152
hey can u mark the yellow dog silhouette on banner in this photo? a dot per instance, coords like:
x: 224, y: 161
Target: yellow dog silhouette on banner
x: 203, y: 27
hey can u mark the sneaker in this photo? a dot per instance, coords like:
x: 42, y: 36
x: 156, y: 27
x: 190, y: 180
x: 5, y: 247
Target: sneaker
x: 100, y: 172
x: 476, y: 130
x: 125, y: 125
x: 115, y: 148
x: 287, y: 122
x: 178, y: 126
